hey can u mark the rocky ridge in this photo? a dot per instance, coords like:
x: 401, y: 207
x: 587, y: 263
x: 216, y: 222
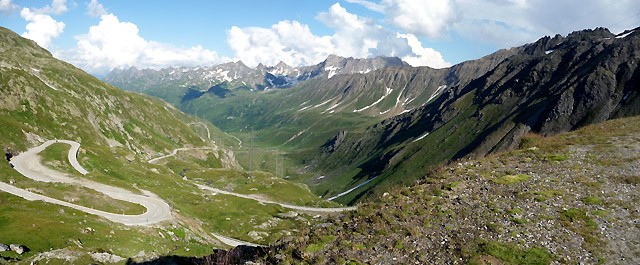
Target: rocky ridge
x: 554, y: 85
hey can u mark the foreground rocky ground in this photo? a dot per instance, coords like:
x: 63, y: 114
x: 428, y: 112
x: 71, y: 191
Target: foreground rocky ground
x: 568, y: 199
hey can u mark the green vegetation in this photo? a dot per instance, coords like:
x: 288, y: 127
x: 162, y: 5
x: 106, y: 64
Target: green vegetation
x: 511, y: 179
x: 451, y: 185
x: 260, y: 183
x: 592, y: 200
x: 544, y: 195
x: 513, y: 254
x: 119, y: 131
x: 600, y: 213
x: 56, y: 156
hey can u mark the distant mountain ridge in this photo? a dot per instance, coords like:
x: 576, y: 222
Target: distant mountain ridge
x: 554, y: 85
x: 238, y: 75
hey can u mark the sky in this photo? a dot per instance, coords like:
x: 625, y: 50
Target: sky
x: 99, y: 35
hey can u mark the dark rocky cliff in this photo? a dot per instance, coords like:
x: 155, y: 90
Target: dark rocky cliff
x: 553, y: 85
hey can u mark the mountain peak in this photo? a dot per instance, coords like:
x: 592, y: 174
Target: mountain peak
x: 282, y: 64
x: 332, y: 58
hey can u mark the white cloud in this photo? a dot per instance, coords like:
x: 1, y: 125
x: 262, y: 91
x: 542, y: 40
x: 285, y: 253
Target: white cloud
x: 423, y: 56
x: 57, y: 7
x: 7, y: 6
x: 288, y: 41
x: 504, y: 22
x: 426, y: 18
x: 95, y: 9
x: 293, y: 42
x: 370, y: 5
x: 113, y: 44
x: 41, y: 28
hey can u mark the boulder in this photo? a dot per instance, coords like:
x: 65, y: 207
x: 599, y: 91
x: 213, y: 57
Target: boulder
x: 4, y: 248
x: 18, y: 248
x: 290, y: 214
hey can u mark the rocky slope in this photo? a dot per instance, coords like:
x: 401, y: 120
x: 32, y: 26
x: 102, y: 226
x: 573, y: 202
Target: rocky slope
x: 567, y: 199
x: 554, y: 85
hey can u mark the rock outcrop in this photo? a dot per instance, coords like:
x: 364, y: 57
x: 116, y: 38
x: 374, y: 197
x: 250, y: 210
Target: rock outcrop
x: 18, y: 248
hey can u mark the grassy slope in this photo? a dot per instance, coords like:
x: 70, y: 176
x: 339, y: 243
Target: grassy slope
x: 137, y: 127
x: 570, y: 198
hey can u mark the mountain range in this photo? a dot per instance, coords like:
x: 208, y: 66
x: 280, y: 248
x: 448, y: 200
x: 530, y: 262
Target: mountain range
x: 343, y: 130
x: 96, y: 174
x: 553, y: 85
x: 470, y: 163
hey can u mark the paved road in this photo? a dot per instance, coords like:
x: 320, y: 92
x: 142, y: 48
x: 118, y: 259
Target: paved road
x: 232, y: 241
x: 175, y: 151
x: 28, y: 164
x: 294, y: 207
x: 351, y: 189
x: 205, y: 126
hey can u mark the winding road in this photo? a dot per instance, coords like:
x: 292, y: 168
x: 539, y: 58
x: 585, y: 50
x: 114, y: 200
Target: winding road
x: 294, y: 207
x: 28, y: 164
x: 175, y: 151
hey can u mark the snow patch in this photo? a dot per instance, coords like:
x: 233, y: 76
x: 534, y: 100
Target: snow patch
x: 420, y: 138
x: 350, y: 190
x: 400, y: 95
x: 387, y: 92
x: 439, y: 90
x: 624, y: 35
x: 35, y: 70
x: 333, y: 70
x: 318, y: 105
x: 331, y: 108
x: 45, y: 82
x: 323, y: 103
x: 548, y: 51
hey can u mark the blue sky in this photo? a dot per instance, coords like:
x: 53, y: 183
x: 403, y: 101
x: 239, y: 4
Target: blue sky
x: 100, y: 35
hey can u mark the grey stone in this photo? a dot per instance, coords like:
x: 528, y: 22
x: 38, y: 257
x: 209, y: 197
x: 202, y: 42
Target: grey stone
x: 17, y: 248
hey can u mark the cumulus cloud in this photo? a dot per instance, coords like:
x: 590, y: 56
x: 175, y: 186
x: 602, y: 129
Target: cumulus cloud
x: 425, y: 18
x: 57, y: 7
x: 288, y: 41
x: 7, y: 6
x: 423, y: 56
x: 41, y: 28
x: 95, y: 9
x: 503, y: 22
x: 293, y: 42
x: 430, y: 18
x: 113, y: 43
